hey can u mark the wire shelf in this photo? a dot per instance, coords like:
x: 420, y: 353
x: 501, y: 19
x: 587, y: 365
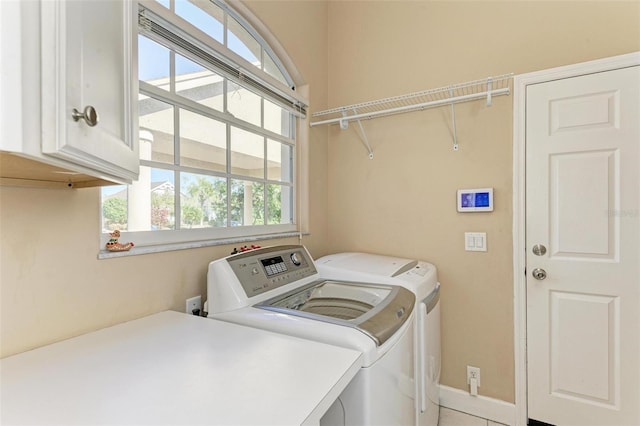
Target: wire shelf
x: 456, y: 93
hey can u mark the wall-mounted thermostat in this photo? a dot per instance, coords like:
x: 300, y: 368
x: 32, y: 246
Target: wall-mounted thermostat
x: 475, y: 200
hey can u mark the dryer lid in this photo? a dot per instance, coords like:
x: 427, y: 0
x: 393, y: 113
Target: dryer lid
x: 376, y: 310
x: 367, y: 263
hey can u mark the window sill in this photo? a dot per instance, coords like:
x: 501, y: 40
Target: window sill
x: 160, y: 248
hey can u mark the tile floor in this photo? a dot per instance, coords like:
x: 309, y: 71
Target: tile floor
x: 450, y: 417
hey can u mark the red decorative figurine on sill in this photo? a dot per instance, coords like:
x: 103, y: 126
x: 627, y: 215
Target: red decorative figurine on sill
x: 114, y: 245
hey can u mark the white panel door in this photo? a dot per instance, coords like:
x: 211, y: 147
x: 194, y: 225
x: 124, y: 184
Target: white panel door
x: 583, y: 206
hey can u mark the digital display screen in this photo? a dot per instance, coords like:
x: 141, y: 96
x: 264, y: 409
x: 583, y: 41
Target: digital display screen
x: 479, y: 199
x: 482, y: 199
x: 467, y: 200
x: 274, y: 265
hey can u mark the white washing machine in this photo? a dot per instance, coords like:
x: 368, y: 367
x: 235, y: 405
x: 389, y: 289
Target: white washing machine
x: 422, y: 279
x: 279, y: 289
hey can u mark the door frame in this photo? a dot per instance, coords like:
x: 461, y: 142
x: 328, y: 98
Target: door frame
x: 520, y: 83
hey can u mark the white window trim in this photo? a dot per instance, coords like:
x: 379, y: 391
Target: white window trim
x: 160, y: 248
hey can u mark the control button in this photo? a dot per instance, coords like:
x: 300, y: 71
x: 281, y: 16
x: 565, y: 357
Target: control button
x: 254, y: 271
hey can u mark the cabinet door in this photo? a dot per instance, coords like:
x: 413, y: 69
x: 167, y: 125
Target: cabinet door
x: 89, y: 59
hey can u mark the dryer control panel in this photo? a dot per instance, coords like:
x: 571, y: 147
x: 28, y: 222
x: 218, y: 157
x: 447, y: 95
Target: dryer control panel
x: 265, y: 269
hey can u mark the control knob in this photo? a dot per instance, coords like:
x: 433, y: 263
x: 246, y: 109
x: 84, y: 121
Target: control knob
x: 295, y: 259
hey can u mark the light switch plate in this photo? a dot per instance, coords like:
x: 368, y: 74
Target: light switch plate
x: 475, y: 241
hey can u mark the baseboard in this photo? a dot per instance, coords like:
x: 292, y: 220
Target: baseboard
x: 481, y: 406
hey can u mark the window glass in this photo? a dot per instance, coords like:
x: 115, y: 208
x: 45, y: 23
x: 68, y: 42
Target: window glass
x: 151, y: 200
x: 203, y: 142
x: 162, y: 198
x: 272, y: 69
x: 156, y: 130
x: 203, y: 201
x: 241, y: 42
x: 197, y: 83
x: 153, y: 63
x: 165, y: 3
x: 247, y: 203
x: 244, y: 104
x: 114, y: 208
x: 247, y: 153
x: 206, y: 16
x: 278, y: 199
x: 279, y: 161
x: 276, y: 119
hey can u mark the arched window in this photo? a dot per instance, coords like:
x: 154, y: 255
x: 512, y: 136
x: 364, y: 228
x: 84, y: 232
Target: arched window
x: 217, y: 118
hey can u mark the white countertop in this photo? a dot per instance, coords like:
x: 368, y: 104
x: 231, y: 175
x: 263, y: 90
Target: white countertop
x: 173, y: 368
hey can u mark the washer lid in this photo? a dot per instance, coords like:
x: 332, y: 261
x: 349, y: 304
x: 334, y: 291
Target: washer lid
x: 376, y: 310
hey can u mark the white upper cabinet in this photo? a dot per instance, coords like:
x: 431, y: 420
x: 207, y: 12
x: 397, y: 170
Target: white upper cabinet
x: 73, y: 104
x: 87, y: 52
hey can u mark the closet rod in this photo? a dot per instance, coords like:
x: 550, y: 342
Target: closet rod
x: 415, y: 107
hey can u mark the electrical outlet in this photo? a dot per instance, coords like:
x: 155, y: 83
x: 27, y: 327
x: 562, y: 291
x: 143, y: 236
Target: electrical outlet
x: 194, y: 303
x: 473, y: 373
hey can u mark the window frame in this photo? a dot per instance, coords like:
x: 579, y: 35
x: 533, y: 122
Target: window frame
x: 163, y: 240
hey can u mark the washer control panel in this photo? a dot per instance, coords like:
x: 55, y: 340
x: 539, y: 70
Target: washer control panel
x: 265, y: 269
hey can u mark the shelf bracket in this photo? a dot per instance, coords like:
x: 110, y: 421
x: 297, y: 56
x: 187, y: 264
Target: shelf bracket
x: 453, y: 120
x: 489, y: 81
x: 344, y: 124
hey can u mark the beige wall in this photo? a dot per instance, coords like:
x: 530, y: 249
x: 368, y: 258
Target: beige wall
x: 52, y: 285
x: 403, y: 201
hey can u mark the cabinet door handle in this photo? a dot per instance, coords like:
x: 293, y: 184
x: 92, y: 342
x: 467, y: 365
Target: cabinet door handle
x: 89, y: 115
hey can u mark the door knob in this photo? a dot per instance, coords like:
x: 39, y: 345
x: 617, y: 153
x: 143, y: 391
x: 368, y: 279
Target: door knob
x: 90, y: 115
x: 539, y: 274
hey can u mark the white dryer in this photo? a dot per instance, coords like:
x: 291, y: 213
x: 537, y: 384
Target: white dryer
x: 279, y: 289
x: 422, y: 279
